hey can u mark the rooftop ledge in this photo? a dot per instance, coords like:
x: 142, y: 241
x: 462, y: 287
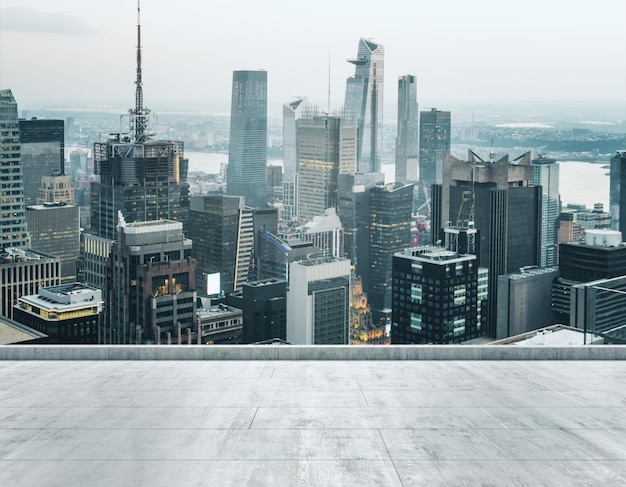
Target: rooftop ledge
x: 315, y: 352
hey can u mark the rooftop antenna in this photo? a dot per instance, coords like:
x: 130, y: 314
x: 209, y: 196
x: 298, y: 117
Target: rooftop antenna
x: 492, y: 154
x: 328, y: 109
x: 139, y: 115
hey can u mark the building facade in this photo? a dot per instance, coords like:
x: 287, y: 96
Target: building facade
x: 406, y: 139
x: 247, y: 153
x: 364, y: 103
x: 318, y: 302
x: 56, y: 189
x: 439, y: 297
x: 43, y: 153
x: 292, y: 112
x: 617, y: 197
x: 434, y: 142
x: 13, y: 232
x: 546, y: 175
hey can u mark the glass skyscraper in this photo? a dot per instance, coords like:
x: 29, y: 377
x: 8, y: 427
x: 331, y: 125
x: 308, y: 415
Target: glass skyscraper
x: 434, y: 143
x: 364, y: 103
x: 546, y: 175
x: 406, y: 140
x: 247, y: 154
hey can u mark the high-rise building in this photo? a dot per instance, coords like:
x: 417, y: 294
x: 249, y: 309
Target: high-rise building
x: 389, y: 227
x: 214, y: 225
x: 353, y: 209
x: 364, y: 103
x: 363, y: 331
x: 505, y: 209
x: 546, y: 175
x: 292, y: 112
x: 326, y: 233
x: 439, y: 296
x: 406, y: 140
x: 275, y: 253
x: 69, y: 314
x: 433, y: 144
x: 43, y: 153
x: 151, y: 296
x: 13, y: 232
x: 264, y: 308
x: 55, y: 229
x: 318, y: 302
x: 618, y: 191
x: 144, y: 179
x: 247, y: 153
x: 55, y: 189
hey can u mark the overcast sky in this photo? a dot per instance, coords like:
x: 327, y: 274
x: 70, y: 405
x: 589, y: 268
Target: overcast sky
x: 472, y: 51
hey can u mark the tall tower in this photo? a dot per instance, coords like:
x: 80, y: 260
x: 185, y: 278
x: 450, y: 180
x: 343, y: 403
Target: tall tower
x: 247, y: 153
x: 292, y: 112
x: 144, y: 179
x: 434, y: 143
x: 364, y: 102
x: 505, y: 212
x: 406, y: 140
x: 13, y: 215
x: 617, y: 201
x: 43, y: 148
x: 546, y: 175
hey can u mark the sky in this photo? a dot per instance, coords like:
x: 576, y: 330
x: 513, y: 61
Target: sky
x: 480, y: 51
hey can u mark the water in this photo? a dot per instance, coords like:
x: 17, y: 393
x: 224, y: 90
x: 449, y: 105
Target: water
x: 580, y: 182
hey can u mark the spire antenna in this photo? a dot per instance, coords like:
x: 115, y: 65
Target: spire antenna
x: 139, y: 116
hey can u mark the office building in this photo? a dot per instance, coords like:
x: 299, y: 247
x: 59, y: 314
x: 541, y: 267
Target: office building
x: 292, y: 112
x: 318, y: 302
x: 364, y: 103
x: 247, y: 153
x: 56, y: 189
x: 497, y: 196
x: 43, y: 153
x: 276, y: 252
x: 439, y: 297
x: 353, y: 209
x: 22, y: 273
x: 151, y: 295
x: 55, y: 230
x: 13, y: 232
x: 70, y: 313
x: 618, y: 191
x: 524, y: 301
x: 434, y: 142
x: 406, y: 139
x: 326, y: 233
x: 289, y: 210
x: 144, y: 179
x: 546, y: 174
x: 93, y: 264
x: 215, y: 226
x: 264, y: 307
x: 217, y: 324
x: 389, y: 226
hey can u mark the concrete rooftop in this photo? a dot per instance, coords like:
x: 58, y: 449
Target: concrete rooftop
x: 270, y: 422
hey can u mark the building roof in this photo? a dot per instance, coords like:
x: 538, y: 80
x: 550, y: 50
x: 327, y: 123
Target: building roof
x: 282, y: 423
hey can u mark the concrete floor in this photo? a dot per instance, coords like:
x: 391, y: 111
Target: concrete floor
x: 321, y: 423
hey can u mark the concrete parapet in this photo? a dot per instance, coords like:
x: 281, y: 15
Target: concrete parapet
x: 297, y: 352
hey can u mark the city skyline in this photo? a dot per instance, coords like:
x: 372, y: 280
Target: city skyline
x: 573, y: 50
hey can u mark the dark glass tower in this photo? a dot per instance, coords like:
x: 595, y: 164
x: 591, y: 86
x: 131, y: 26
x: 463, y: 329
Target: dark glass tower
x: 434, y: 143
x: 618, y: 192
x: 406, y: 140
x: 12, y: 217
x: 364, y: 103
x: 247, y: 153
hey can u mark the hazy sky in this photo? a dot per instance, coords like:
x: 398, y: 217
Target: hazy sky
x: 471, y: 51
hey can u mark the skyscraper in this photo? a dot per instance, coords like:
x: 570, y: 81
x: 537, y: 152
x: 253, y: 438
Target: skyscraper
x: 406, y: 140
x: 498, y: 198
x: 434, y: 143
x: 247, y: 153
x: 292, y: 112
x: 144, y: 179
x: 618, y: 192
x: 43, y: 143
x: 389, y: 226
x: 546, y: 175
x: 364, y: 102
x: 12, y: 217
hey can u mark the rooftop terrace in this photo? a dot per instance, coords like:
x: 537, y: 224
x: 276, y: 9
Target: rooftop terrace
x: 328, y: 416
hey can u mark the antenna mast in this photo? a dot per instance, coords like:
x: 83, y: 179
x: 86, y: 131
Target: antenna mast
x: 139, y: 116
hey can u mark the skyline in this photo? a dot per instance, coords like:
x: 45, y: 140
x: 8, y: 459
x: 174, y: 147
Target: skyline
x: 553, y: 52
